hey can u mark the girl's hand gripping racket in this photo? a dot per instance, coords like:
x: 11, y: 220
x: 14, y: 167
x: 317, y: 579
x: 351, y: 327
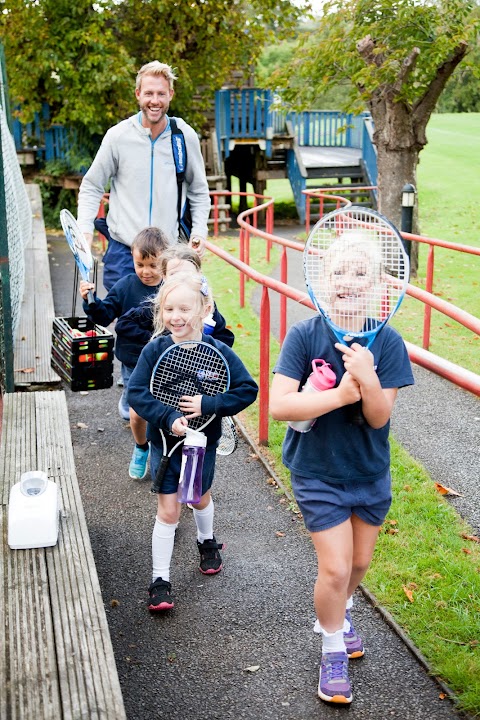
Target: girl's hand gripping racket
x: 79, y: 247
x: 356, y: 271
x: 186, y: 368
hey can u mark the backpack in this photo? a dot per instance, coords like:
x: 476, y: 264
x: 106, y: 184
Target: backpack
x: 180, y: 157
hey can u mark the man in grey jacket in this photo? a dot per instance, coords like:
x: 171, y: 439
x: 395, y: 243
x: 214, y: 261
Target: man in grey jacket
x: 136, y: 157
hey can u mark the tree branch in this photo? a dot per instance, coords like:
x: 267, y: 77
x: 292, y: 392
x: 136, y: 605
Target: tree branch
x: 407, y: 67
x: 366, y: 50
x: 424, y: 107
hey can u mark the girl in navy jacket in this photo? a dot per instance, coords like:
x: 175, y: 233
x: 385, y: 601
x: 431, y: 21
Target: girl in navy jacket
x: 183, y: 303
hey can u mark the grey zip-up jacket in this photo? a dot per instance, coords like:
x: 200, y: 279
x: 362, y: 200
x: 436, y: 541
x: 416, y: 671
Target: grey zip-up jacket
x: 143, y: 189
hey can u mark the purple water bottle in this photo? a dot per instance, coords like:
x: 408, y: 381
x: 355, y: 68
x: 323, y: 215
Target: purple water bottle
x: 190, y: 482
x: 321, y: 378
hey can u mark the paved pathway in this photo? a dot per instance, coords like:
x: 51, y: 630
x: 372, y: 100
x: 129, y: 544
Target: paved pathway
x: 198, y: 662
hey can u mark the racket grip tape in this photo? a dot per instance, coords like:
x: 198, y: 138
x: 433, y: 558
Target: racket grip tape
x: 90, y: 298
x: 160, y: 474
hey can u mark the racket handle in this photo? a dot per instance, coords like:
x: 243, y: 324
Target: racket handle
x: 90, y: 298
x: 355, y: 414
x: 158, y: 480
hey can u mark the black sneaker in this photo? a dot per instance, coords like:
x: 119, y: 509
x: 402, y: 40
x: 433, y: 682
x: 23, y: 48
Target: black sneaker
x: 160, y: 595
x: 210, y: 559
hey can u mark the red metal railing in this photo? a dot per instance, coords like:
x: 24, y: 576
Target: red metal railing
x: 326, y: 194
x: 460, y: 376
x: 248, y: 221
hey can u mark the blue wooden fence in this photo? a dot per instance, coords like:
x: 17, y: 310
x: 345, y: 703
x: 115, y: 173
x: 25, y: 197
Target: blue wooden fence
x: 50, y: 142
x: 254, y: 114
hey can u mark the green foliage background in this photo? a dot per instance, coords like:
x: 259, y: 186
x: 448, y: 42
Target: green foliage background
x: 81, y: 57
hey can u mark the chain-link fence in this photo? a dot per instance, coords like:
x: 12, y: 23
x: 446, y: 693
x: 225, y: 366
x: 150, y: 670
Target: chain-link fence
x: 15, y: 233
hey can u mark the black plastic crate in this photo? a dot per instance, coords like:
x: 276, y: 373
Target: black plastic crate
x: 85, y: 362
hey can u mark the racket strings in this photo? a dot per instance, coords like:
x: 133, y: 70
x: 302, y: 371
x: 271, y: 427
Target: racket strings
x: 194, y: 370
x: 355, y: 266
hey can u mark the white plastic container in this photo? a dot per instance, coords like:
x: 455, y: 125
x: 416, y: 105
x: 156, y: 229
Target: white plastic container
x: 33, y: 512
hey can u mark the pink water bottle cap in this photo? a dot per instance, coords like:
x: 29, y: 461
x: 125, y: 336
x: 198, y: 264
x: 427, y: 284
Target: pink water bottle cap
x: 322, y: 377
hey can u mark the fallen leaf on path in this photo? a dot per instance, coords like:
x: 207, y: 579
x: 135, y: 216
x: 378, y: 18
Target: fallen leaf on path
x: 408, y: 593
x: 82, y: 425
x: 473, y: 538
x: 466, y: 551
x: 445, y: 490
x: 280, y: 534
x: 26, y: 370
x: 252, y: 668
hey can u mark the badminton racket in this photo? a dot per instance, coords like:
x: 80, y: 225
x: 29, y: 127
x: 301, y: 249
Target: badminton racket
x: 79, y: 247
x: 356, y: 272
x: 186, y: 368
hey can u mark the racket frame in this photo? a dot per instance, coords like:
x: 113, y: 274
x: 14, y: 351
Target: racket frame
x: 166, y: 455
x: 348, y: 336
x: 77, y: 242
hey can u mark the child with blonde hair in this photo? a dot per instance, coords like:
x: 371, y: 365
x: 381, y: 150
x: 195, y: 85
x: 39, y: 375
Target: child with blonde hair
x: 181, y: 307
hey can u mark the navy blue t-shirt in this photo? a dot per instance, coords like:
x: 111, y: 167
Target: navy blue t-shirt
x: 335, y: 450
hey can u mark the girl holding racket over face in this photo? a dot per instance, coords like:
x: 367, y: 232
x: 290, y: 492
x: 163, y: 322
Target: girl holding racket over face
x: 182, y: 369
x: 340, y: 469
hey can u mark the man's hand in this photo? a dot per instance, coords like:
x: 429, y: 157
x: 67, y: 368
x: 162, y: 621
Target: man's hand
x: 197, y: 243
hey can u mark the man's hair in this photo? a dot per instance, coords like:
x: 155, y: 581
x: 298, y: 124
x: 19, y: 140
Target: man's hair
x: 180, y: 252
x: 150, y: 242
x: 157, y: 69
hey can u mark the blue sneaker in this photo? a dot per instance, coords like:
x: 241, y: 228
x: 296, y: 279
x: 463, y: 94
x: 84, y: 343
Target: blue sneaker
x: 334, y: 684
x: 138, y: 464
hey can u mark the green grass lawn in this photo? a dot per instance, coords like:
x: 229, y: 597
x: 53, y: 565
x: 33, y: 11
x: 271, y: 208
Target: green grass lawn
x: 448, y: 192
x: 426, y: 570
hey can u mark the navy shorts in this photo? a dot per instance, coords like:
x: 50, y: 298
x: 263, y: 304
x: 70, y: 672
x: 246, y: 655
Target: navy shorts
x: 325, y: 505
x: 172, y: 474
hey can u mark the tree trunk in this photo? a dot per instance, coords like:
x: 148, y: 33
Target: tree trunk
x: 398, y: 144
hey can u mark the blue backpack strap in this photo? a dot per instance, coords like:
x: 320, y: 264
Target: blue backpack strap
x: 180, y: 158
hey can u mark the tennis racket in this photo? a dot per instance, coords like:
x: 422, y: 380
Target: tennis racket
x: 356, y: 271
x: 228, y: 443
x: 186, y: 368
x: 79, y: 247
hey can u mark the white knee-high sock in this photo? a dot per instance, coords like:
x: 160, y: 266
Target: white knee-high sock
x: 204, y: 522
x: 163, y: 538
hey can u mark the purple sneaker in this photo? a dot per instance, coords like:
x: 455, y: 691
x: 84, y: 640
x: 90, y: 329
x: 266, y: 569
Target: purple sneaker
x: 333, y: 683
x: 353, y: 643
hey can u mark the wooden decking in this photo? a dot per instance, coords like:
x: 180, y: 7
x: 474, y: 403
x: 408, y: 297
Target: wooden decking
x: 34, y: 336
x: 56, y: 657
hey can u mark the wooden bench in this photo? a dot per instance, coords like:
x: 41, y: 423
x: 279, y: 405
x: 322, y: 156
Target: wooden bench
x: 56, y: 656
x: 33, y: 341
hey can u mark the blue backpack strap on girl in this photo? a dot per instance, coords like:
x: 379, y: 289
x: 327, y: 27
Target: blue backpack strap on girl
x: 179, y: 150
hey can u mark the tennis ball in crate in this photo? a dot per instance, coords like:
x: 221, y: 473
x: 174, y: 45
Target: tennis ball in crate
x: 91, y: 333
x: 101, y: 356
x: 86, y: 358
